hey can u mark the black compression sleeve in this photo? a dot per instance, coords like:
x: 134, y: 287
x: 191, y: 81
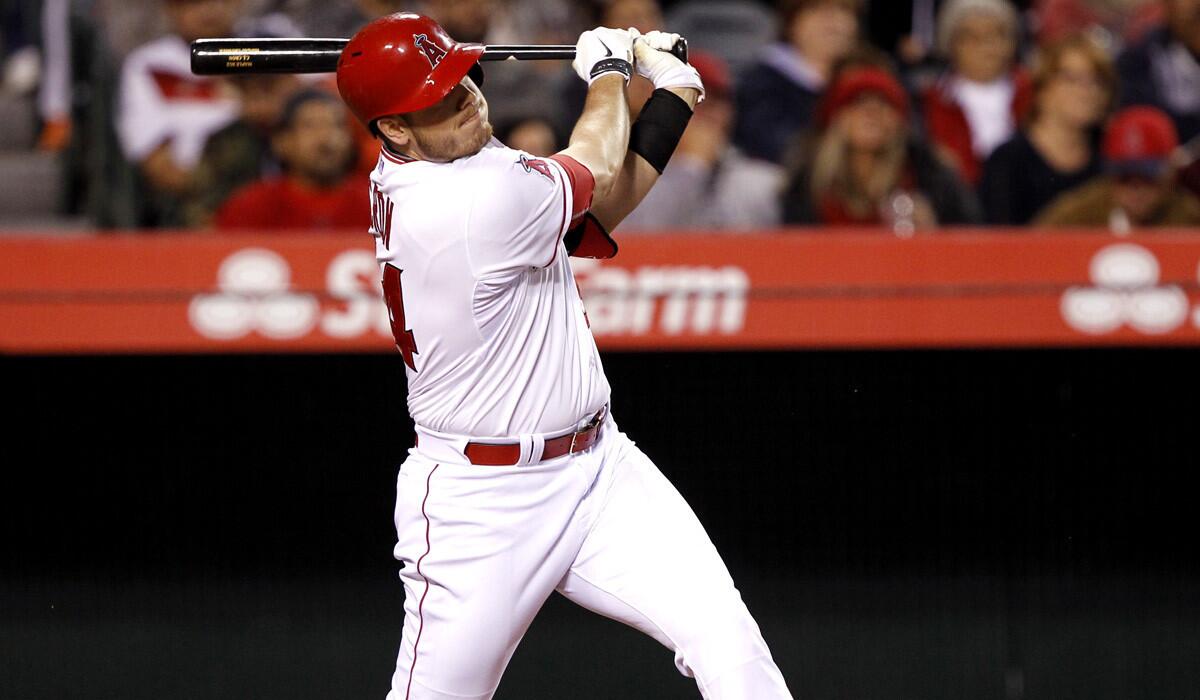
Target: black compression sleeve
x: 659, y: 127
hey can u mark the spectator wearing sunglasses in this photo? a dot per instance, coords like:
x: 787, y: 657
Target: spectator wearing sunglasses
x: 1139, y: 188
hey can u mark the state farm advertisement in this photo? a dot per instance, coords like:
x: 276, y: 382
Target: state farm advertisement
x: 304, y: 293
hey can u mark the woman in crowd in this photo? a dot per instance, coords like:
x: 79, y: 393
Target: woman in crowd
x: 1057, y: 150
x: 978, y: 103
x: 865, y: 167
x: 778, y: 96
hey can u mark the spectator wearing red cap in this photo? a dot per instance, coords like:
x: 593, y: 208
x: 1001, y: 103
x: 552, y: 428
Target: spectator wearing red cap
x: 977, y: 104
x: 778, y: 96
x: 866, y: 168
x: 1139, y: 188
x: 709, y: 183
x: 1057, y: 150
x: 319, y: 189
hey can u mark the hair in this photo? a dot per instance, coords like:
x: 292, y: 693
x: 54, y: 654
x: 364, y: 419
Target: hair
x: 291, y: 108
x: 788, y: 9
x: 831, y: 174
x: 956, y: 11
x: 1049, y: 59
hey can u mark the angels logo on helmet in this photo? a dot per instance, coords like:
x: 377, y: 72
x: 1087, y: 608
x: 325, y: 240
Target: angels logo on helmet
x: 432, y: 51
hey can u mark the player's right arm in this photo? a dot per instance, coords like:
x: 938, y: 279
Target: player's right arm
x: 657, y: 132
x: 604, y: 58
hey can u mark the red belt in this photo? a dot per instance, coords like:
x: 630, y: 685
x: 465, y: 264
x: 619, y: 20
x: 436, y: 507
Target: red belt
x: 508, y: 454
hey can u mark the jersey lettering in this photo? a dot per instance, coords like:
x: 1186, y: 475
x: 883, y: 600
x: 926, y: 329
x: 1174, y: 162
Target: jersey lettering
x: 393, y: 295
x: 381, y: 214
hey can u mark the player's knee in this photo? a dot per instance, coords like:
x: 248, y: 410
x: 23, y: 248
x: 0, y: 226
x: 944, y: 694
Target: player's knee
x: 723, y: 637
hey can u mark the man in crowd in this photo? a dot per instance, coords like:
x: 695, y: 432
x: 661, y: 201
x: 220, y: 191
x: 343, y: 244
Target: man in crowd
x: 1163, y: 71
x: 319, y: 190
x: 1139, y: 189
x: 241, y: 152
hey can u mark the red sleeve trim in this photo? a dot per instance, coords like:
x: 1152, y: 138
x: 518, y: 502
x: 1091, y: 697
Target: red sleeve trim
x: 583, y: 183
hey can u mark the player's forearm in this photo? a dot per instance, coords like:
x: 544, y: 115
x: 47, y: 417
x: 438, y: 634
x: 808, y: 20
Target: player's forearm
x: 601, y: 136
x: 635, y: 179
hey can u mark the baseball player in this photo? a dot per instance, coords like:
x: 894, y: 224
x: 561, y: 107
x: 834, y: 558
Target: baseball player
x: 520, y: 483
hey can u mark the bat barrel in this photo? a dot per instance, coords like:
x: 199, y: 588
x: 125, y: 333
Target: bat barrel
x: 233, y: 56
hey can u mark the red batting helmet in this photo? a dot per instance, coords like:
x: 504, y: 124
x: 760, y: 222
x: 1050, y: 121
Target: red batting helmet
x: 401, y: 63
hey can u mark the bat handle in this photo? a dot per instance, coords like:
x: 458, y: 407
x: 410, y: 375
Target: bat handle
x: 680, y: 50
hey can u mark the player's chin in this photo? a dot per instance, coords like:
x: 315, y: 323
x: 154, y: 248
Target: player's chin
x: 480, y: 134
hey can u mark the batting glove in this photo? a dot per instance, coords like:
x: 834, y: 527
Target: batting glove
x: 601, y: 51
x: 656, y: 63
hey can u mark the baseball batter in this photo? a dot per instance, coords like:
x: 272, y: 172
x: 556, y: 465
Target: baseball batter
x: 521, y: 484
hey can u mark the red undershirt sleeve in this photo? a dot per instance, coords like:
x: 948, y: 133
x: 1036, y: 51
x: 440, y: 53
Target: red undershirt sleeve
x: 583, y: 184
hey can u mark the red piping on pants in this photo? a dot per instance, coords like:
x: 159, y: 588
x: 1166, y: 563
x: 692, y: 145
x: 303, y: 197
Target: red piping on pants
x: 421, y: 604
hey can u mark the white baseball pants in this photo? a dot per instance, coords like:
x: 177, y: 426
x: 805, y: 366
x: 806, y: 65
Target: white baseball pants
x: 483, y: 547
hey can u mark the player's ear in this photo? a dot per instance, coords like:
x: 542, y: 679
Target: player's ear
x: 395, y: 130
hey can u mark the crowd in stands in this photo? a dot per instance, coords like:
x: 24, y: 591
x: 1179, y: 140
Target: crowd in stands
x: 903, y: 115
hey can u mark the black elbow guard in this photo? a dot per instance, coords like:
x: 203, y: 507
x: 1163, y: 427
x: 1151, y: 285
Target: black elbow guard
x: 659, y: 127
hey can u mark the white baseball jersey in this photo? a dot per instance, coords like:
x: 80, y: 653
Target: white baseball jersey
x: 482, y: 301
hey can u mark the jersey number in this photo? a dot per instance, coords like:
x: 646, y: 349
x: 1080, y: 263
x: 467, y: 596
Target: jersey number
x: 393, y: 296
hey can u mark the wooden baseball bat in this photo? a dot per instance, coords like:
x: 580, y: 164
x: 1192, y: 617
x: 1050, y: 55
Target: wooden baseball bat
x: 234, y: 56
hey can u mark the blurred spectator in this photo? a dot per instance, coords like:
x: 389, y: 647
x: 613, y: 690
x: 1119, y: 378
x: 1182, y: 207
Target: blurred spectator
x: 978, y: 102
x: 241, y: 152
x: 54, y: 94
x: 340, y: 19
x: 20, y: 66
x: 319, y: 189
x: 1113, y: 22
x: 1162, y: 70
x: 865, y: 168
x: 778, y: 95
x: 165, y: 113
x: 1139, y: 187
x: 465, y: 20
x: 1056, y: 151
x: 643, y: 15
x: 534, y: 135
x: 709, y: 183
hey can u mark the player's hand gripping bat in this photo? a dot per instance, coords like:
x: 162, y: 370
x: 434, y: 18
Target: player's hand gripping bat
x: 234, y: 56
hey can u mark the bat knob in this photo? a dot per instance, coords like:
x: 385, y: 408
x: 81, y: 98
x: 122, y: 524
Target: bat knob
x: 679, y: 50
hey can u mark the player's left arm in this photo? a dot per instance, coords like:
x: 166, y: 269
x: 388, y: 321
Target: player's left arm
x: 657, y: 131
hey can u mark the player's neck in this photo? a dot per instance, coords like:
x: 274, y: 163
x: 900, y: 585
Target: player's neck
x: 390, y: 148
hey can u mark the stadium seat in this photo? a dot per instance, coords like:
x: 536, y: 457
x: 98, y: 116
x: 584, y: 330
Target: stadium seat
x: 17, y: 116
x: 30, y: 183
x: 735, y: 31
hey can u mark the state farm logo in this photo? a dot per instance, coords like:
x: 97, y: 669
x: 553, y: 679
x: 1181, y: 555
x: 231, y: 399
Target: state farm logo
x: 670, y: 299
x: 256, y: 296
x: 1126, y: 291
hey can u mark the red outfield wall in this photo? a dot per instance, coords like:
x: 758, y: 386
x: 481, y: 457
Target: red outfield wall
x: 193, y: 292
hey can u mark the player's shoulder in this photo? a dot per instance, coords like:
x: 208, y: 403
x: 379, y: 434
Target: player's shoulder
x: 498, y: 170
